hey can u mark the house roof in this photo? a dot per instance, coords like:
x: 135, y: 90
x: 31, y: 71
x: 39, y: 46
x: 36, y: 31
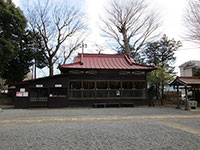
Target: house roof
x: 191, y: 63
x: 105, y: 61
x: 38, y: 79
x: 186, y: 81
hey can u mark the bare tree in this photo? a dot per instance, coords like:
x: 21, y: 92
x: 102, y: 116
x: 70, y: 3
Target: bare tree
x: 130, y: 23
x: 99, y: 48
x: 68, y: 48
x: 192, y: 21
x: 56, y: 24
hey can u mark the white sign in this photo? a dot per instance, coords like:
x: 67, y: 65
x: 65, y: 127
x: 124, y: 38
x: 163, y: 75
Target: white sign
x: 25, y: 94
x: 21, y: 94
x: 58, y: 85
x: 22, y: 89
x: 39, y: 85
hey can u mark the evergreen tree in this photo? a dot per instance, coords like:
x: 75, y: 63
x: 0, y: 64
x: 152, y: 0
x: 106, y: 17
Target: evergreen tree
x: 12, y: 26
x: 161, y: 54
x: 17, y: 46
x: 16, y: 68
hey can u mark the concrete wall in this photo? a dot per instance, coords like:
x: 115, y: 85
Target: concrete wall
x: 186, y: 72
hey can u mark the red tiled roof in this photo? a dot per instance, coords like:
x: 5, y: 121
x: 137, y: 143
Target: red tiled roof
x: 104, y: 61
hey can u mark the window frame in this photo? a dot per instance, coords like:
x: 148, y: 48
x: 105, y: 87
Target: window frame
x: 108, y: 89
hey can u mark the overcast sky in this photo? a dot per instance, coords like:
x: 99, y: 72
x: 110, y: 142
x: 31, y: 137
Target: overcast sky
x: 171, y: 12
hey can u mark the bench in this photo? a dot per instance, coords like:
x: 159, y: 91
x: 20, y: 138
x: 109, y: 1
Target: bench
x: 99, y: 104
x: 127, y: 104
x: 113, y: 104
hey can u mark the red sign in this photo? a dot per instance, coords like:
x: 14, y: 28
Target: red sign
x: 21, y: 94
x: 17, y: 94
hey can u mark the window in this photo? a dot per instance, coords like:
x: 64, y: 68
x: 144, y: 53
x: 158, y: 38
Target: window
x: 88, y: 93
x: 88, y: 89
x: 102, y: 84
x: 38, y: 95
x: 102, y: 89
x: 127, y: 84
x: 88, y: 84
x: 75, y: 85
x: 39, y: 92
x: 102, y: 93
x: 139, y: 84
x: 139, y: 89
x: 115, y: 88
x: 139, y: 93
x: 75, y: 93
x: 107, y: 89
x: 133, y: 89
x: 115, y: 93
x: 128, y: 93
x: 75, y: 89
x: 127, y: 89
x: 114, y: 85
x: 82, y: 89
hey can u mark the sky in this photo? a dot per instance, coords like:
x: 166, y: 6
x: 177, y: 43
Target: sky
x: 171, y: 12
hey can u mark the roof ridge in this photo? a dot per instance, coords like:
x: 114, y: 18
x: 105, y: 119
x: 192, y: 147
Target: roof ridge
x: 88, y: 54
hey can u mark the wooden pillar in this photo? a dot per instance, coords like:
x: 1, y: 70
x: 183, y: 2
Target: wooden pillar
x: 178, y: 103
x: 194, y: 93
x: 186, y: 97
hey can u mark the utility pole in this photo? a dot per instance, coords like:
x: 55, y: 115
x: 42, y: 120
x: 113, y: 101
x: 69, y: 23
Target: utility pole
x: 83, y: 46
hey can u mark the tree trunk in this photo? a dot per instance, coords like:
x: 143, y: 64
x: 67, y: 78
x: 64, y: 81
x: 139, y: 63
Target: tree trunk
x: 50, y: 68
x: 126, y: 42
x: 162, y: 93
x: 158, y: 95
x: 157, y: 92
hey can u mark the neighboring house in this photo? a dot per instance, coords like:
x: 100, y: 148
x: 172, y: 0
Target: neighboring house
x: 91, y: 80
x: 189, y: 68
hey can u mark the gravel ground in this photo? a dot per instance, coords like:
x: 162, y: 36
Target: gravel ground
x: 18, y: 113
x: 194, y: 123
x: 101, y: 136
x: 132, y: 134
